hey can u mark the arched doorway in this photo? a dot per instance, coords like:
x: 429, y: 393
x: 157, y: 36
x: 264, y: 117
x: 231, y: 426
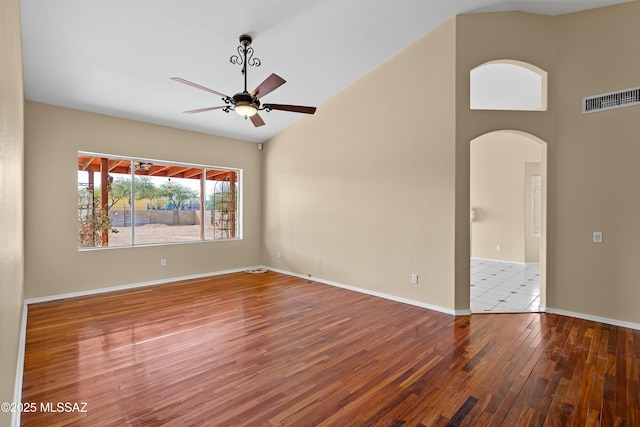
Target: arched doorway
x: 508, y: 179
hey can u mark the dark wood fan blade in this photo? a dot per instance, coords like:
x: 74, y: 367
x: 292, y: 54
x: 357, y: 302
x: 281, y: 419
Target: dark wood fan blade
x: 292, y: 108
x: 197, y: 86
x: 202, y: 110
x: 257, y: 120
x: 270, y: 84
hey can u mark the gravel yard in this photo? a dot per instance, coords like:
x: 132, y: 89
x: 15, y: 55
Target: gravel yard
x: 161, y: 233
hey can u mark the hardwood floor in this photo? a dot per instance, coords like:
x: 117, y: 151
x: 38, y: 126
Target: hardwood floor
x: 275, y: 350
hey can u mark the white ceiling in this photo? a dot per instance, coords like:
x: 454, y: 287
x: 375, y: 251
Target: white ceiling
x: 116, y: 57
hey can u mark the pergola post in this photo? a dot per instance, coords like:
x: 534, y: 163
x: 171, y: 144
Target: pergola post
x: 92, y: 203
x: 104, y: 195
x: 203, y: 211
x: 232, y: 196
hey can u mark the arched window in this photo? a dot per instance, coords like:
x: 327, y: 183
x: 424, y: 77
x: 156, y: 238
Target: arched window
x: 508, y: 85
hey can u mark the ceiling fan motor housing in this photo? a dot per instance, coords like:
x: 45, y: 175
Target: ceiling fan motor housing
x: 245, y: 104
x: 245, y: 98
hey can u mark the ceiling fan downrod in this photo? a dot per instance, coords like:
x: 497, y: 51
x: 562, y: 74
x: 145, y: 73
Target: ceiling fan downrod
x: 245, y: 57
x: 244, y: 103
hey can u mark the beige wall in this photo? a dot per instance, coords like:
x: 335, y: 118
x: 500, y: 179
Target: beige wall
x: 362, y: 193
x: 482, y: 38
x: 53, y: 137
x: 368, y: 199
x: 11, y: 196
x: 597, y: 178
x: 591, y: 158
x: 498, y: 186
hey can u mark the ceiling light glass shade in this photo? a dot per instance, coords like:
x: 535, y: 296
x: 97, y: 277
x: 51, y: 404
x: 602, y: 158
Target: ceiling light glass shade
x: 246, y: 109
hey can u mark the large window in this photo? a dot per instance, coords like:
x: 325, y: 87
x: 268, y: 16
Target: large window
x: 125, y: 201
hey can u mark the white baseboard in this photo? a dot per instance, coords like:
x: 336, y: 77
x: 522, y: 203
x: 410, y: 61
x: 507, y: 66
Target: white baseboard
x: 606, y: 320
x: 501, y: 260
x: 22, y: 340
x: 375, y: 293
x: 131, y: 286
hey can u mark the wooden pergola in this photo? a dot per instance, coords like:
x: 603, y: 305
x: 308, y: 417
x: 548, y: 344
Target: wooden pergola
x: 106, y: 166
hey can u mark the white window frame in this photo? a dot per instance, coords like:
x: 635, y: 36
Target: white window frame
x: 203, y: 182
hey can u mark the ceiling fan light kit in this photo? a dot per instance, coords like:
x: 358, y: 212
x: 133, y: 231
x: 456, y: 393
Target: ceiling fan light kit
x: 244, y: 103
x: 246, y: 110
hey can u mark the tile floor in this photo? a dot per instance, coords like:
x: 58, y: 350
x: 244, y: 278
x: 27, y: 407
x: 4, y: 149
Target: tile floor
x: 504, y: 287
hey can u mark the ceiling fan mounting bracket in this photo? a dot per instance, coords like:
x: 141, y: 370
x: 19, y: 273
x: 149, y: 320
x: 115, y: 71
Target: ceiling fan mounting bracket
x: 245, y: 40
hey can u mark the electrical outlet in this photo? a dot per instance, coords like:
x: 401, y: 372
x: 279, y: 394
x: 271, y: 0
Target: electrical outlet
x: 498, y: 248
x: 163, y: 262
x: 278, y: 254
x: 414, y: 279
x: 597, y: 237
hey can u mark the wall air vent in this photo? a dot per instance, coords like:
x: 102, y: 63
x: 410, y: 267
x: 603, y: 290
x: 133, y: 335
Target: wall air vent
x: 611, y: 100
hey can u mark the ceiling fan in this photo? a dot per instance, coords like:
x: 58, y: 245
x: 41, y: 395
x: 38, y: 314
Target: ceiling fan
x: 244, y: 103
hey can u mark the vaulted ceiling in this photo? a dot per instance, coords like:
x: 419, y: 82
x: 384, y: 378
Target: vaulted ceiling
x: 116, y: 57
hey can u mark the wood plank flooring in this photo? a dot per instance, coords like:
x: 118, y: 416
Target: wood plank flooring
x: 275, y: 350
